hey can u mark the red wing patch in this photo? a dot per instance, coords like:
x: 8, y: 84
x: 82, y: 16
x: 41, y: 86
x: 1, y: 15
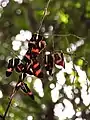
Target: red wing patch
x: 10, y: 68
x: 19, y: 67
x: 35, y: 50
x: 59, y: 59
x: 35, y: 65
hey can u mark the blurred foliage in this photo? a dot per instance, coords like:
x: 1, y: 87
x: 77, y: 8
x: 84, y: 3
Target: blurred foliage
x: 66, y: 17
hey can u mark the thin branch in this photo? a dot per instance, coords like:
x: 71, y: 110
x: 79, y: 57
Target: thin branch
x: 67, y: 35
x: 7, y: 109
x: 45, y: 13
x: 8, y: 106
x: 75, y: 71
x: 13, y: 53
x: 86, y: 64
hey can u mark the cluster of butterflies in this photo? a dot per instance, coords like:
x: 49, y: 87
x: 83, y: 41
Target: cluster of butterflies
x: 30, y: 64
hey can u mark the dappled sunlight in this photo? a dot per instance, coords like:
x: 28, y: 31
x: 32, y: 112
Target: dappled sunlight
x: 23, y: 36
x: 78, y: 114
x: 43, y: 106
x: 23, y: 51
x: 85, y: 97
x: 61, y: 111
x: 60, y: 82
x: 4, y: 3
x: 60, y: 78
x: 32, y: 88
x: 68, y: 91
x: 11, y: 115
x: 19, y: 1
x: 58, y: 109
x: 73, y: 46
x: 79, y: 119
x: 1, y: 94
x: 16, y: 104
x: 64, y: 111
x: 77, y: 100
x: 29, y: 118
x: 55, y: 94
x: 29, y: 79
x: 82, y: 75
x: 52, y: 85
x: 68, y: 67
x: 16, y: 45
x: 38, y: 87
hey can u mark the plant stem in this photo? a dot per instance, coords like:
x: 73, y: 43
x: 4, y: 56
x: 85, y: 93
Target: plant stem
x: 7, y: 109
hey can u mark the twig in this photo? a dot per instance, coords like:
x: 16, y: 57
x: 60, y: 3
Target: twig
x: 45, y: 13
x: 86, y: 63
x: 75, y: 71
x: 67, y: 35
x: 7, y: 109
x: 13, y: 53
x: 74, y: 74
x: 8, y: 106
x: 87, y: 83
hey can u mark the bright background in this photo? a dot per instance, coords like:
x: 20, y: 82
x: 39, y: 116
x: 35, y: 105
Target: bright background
x: 66, y: 95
